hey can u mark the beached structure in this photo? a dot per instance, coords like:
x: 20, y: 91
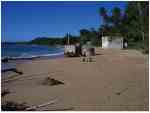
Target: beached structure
x: 72, y: 49
x: 69, y: 50
x: 77, y: 50
x: 88, y: 48
x: 112, y: 42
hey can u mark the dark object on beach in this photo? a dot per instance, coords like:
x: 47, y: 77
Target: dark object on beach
x: 119, y: 93
x: 88, y: 48
x: 14, y: 70
x: 145, y: 51
x: 78, y: 50
x: 13, y: 106
x: 5, y: 92
x: 51, y: 81
x: 5, y: 60
x: 83, y: 59
x: 73, y: 50
x: 19, y: 72
x: 92, y: 51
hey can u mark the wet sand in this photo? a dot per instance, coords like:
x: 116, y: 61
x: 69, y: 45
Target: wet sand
x: 115, y: 80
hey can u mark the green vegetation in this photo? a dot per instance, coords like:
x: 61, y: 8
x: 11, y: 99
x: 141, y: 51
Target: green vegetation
x: 55, y: 41
x: 85, y: 35
x: 46, y: 41
x: 131, y: 24
x: 90, y: 35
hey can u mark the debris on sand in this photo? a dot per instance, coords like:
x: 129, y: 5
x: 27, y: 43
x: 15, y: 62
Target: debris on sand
x: 51, y: 81
x: 13, y: 106
x: 120, y: 92
x: 5, y: 60
x: 62, y: 109
x: 31, y: 108
x: 5, y: 92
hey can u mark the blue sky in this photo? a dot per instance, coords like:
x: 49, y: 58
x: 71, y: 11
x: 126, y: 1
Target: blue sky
x: 24, y: 21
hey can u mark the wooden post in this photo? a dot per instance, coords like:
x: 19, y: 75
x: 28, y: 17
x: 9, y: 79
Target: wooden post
x: 68, y: 39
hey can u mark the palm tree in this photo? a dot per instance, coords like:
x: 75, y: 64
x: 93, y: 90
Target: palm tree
x: 116, y: 16
x: 103, y: 13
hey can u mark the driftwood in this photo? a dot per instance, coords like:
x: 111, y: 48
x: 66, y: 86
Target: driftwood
x: 13, y: 106
x: 51, y: 81
x: 41, y: 105
x: 60, y: 109
x: 24, y: 77
x: 13, y: 70
x: 120, y: 92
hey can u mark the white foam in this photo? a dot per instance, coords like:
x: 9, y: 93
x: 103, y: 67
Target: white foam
x: 33, y: 56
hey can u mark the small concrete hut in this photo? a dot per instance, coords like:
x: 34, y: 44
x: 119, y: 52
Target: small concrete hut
x: 112, y: 42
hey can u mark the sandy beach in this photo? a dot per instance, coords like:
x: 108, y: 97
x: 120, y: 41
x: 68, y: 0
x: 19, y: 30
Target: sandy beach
x: 114, y: 80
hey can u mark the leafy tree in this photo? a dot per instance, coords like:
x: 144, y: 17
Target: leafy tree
x: 137, y: 22
x: 84, y: 36
x: 132, y: 24
x: 111, y: 23
x: 89, y: 35
x: 103, y: 13
x: 94, y: 37
x: 116, y: 16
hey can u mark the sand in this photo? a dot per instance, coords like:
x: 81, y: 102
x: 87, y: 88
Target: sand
x: 115, y: 80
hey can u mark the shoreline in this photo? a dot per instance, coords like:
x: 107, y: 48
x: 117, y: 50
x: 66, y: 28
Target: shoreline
x: 12, y: 63
x: 30, y: 52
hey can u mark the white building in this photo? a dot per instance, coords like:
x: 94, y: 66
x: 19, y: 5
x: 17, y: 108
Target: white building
x: 112, y: 42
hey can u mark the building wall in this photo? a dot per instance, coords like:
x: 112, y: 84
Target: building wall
x: 69, y: 49
x: 116, y: 42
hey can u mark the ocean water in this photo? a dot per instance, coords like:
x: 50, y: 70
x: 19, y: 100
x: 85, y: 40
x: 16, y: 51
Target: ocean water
x: 22, y: 51
x: 27, y: 51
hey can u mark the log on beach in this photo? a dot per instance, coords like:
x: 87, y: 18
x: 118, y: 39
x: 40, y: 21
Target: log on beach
x: 41, y: 105
x: 10, y: 67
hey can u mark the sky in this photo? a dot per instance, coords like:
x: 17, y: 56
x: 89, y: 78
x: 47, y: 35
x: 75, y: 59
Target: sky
x: 24, y: 21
